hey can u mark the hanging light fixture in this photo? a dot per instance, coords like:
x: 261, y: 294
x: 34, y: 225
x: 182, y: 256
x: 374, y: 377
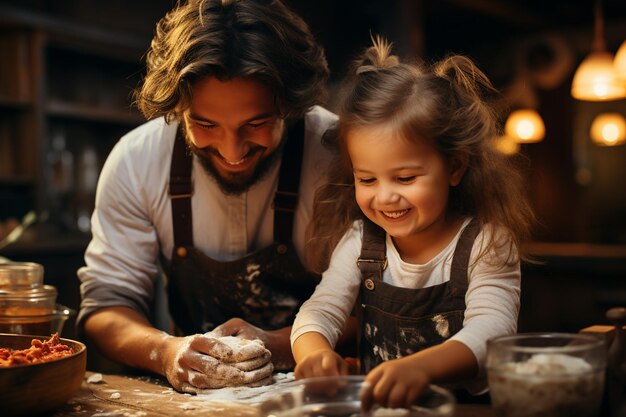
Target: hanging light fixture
x: 608, y: 129
x: 506, y: 145
x: 525, y: 126
x: 620, y: 62
x: 596, y: 78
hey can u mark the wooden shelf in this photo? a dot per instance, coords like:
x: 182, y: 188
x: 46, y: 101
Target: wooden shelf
x: 91, y: 113
x: 64, y: 74
x: 17, y: 180
x: 53, y: 246
x: 14, y: 103
x: 72, y: 34
x: 576, y: 250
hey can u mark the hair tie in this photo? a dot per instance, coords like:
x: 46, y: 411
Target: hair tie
x: 366, y: 68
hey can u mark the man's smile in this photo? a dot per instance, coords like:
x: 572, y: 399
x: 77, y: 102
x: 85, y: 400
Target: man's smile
x: 248, y: 161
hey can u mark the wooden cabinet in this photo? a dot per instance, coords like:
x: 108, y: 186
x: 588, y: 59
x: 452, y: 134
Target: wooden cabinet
x: 571, y: 286
x: 65, y: 99
x: 18, y: 167
x: 67, y: 72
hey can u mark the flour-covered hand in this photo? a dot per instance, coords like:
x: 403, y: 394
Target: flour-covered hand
x: 277, y: 341
x: 189, y: 365
x: 234, y: 349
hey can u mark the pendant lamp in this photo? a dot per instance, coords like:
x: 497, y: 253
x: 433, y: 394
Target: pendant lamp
x: 620, y: 62
x: 608, y: 129
x: 525, y: 126
x: 506, y: 145
x: 596, y: 78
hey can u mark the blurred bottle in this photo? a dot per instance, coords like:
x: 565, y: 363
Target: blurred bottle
x: 60, y: 180
x: 86, y: 182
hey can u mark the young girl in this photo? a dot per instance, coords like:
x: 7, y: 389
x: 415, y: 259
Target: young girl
x: 430, y: 262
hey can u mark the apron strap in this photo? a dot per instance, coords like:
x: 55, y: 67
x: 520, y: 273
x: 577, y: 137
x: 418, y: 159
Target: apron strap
x: 286, y: 198
x: 461, y: 257
x: 180, y: 191
x: 373, y: 259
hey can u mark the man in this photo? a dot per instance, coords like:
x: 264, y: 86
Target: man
x: 217, y: 188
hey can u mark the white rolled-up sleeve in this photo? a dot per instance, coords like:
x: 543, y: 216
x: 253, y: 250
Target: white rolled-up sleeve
x: 330, y: 305
x: 492, y: 301
x: 121, y: 259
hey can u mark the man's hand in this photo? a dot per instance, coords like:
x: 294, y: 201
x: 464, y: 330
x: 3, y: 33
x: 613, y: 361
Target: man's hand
x: 277, y: 341
x: 189, y: 363
x: 323, y: 362
x: 197, y: 362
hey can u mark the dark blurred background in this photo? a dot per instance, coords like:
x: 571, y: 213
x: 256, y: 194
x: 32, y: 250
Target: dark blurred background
x: 67, y: 69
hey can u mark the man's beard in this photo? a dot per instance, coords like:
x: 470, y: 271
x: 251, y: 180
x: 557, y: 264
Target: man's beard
x: 237, y: 183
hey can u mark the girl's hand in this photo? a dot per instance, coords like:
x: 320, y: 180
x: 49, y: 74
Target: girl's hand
x: 323, y: 362
x: 395, y: 384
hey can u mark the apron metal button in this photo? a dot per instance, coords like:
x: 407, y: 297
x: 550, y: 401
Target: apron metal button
x: 181, y: 251
x: 282, y: 249
x: 369, y: 284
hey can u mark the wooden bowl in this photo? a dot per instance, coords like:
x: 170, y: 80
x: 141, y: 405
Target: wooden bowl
x: 40, y: 387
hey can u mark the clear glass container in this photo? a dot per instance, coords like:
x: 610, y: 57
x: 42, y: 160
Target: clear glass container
x: 41, y: 324
x: 20, y: 275
x: 27, y: 306
x: 28, y: 302
x: 336, y: 396
x: 546, y: 374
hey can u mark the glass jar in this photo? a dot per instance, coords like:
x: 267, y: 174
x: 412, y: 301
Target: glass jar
x: 20, y: 275
x: 546, y: 375
x: 27, y: 306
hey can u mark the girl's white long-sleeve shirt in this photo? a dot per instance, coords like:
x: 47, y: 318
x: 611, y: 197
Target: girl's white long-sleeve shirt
x: 492, y: 299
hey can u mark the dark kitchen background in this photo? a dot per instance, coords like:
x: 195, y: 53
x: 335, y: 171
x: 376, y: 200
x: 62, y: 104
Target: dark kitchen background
x: 67, y: 69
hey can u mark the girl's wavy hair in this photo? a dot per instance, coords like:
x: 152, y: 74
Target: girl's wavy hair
x: 259, y: 39
x: 446, y: 103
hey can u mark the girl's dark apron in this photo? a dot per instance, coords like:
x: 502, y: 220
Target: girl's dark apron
x: 396, y: 322
x: 266, y: 287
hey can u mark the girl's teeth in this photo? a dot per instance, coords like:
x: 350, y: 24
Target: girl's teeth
x: 395, y: 214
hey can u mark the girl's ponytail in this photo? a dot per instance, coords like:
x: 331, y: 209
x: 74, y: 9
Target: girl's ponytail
x: 464, y: 77
x: 376, y: 57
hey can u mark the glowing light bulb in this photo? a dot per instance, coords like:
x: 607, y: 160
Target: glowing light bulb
x: 525, y: 126
x: 608, y: 129
x: 525, y: 129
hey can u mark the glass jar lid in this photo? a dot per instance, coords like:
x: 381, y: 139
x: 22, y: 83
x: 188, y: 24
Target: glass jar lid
x: 20, y: 275
x: 45, y: 292
x: 27, y: 302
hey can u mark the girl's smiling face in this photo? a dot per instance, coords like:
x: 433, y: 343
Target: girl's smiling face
x: 401, y: 185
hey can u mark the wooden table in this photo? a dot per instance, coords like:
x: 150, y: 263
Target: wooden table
x: 128, y: 396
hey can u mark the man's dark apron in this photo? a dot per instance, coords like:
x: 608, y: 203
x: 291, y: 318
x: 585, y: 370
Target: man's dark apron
x: 396, y: 322
x: 266, y: 287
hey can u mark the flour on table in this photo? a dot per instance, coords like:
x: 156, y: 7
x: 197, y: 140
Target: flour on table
x: 244, y: 395
x: 94, y: 378
x: 121, y: 413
